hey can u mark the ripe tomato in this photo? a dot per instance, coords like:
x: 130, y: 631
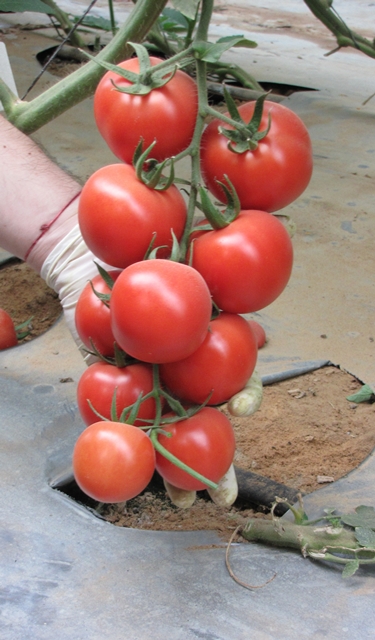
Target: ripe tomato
x: 160, y: 310
x: 98, y: 383
x: 8, y: 336
x: 246, y: 264
x: 274, y: 174
x: 92, y: 316
x: 113, y: 462
x: 119, y: 216
x: 259, y: 333
x: 166, y: 115
x: 223, y: 363
x: 205, y: 442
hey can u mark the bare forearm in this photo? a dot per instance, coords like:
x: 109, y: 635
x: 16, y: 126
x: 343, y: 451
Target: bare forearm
x: 33, y: 190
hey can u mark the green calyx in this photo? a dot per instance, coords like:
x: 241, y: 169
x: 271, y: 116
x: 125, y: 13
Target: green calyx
x: 150, y: 171
x: 244, y: 136
x: 150, y: 76
x: 217, y: 218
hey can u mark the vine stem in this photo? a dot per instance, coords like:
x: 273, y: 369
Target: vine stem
x: 181, y: 465
x: 201, y: 73
x: 30, y: 116
x: 345, y: 37
x: 154, y: 436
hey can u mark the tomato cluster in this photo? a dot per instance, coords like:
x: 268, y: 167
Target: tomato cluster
x: 167, y: 324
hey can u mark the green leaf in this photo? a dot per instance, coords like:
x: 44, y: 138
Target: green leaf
x: 13, y: 6
x: 175, y: 17
x: 212, y: 52
x: 96, y: 22
x: 350, y: 568
x: 363, y: 517
x: 365, y: 537
x: 188, y: 8
x: 237, y: 41
x: 365, y: 394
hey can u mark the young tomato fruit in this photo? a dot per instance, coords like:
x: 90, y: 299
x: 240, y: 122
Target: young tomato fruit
x: 259, y: 333
x: 113, y: 462
x: 8, y: 335
x: 101, y: 380
x: 205, y: 442
x: 119, y: 216
x: 272, y: 175
x: 92, y: 316
x: 221, y: 365
x: 166, y: 114
x: 246, y: 264
x: 160, y: 310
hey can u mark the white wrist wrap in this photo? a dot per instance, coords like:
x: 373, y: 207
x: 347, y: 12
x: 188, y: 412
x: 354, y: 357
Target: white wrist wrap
x: 67, y: 269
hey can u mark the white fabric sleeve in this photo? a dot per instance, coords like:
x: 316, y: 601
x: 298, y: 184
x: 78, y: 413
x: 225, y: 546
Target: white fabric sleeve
x: 67, y: 269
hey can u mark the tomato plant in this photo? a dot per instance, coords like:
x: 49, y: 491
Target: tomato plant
x: 92, y: 316
x: 8, y: 335
x: 113, y: 462
x: 166, y: 114
x: 160, y: 310
x: 246, y: 264
x: 268, y: 177
x: 221, y: 365
x: 101, y: 380
x: 119, y: 216
x: 205, y: 442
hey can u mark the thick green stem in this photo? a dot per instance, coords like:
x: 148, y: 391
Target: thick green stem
x: 345, y: 37
x: 30, y: 116
x: 204, y: 20
x: 74, y: 38
x: 112, y: 17
x: 224, y: 69
x: 201, y: 72
x: 320, y: 542
x: 304, y: 537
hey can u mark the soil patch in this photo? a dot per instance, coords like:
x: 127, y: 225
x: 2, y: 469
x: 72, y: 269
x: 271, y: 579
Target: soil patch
x: 305, y: 434
x: 24, y: 295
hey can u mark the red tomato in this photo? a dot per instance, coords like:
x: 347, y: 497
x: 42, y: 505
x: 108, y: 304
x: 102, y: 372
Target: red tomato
x: 274, y: 174
x: 166, y: 115
x: 92, y: 316
x: 113, y: 462
x: 259, y: 333
x: 246, y: 264
x: 119, y: 216
x: 222, y: 364
x: 8, y: 336
x: 160, y: 310
x: 205, y: 442
x: 98, y: 383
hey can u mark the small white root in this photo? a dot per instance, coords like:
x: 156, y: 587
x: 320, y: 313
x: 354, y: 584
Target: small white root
x: 247, y: 401
x: 180, y: 497
x: 227, y: 491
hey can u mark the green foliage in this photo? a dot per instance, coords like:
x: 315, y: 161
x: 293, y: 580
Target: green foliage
x: 350, y: 568
x: 188, y: 8
x: 363, y: 517
x: 13, y: 6
x: 365, y: 394
x: 95, y: 22
x: 212, y: 52
x: 346, y: 539
x: 173, y: 21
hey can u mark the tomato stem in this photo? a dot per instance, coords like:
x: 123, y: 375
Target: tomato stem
x: 181, y: 465
x: 30, y: 116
